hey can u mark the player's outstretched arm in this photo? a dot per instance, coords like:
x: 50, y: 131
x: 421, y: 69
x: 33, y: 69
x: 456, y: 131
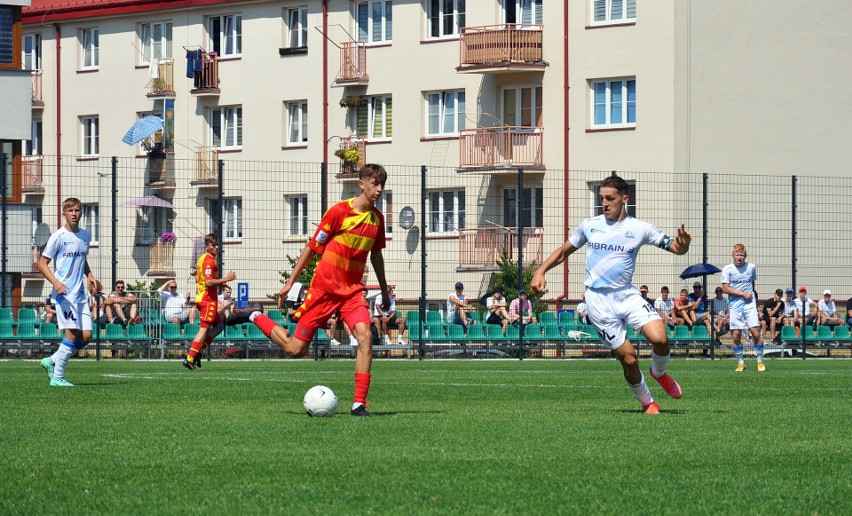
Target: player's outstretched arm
x: 378, y: 262
x: 303, y: 261
x: 538, y: 283
x: 680, y: 245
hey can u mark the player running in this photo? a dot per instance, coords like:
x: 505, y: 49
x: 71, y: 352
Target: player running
x: 738, y: 282
x: 349, y: 231
x: 207, y: 300
x: 68, y: 247
x: 612, y: 243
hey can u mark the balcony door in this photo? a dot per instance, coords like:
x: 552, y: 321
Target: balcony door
x: 522, y: 113
x: 31, y: 52
x: 522, y: 11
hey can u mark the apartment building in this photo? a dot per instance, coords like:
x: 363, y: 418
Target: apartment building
x: 474, y: 89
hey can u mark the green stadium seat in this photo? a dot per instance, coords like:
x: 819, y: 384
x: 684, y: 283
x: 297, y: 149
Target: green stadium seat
x: 6, y: 315
x: 27, y: 330
x: 788, y: 334
x: 171, y: 332
x: 114, y: 331
x: 532, y: 332
x: 824, y: 335
x: 434, y: 316
x: 412, y: 317
x: 494, y: 332
x: 6, y: 331
x: 474, y: 316
x: 254, y: 333
x: 548, y: 319
x: 414, y: 332
x: 235, y: 332
x: 455, y: 333
x: 681, y: 334
x: 435, y: 332
x: 513, y: 332
x: 190, y: 330
x: 27, y: 315
x: 552, y: 333
x: 48, y: 331
x: 276, y: 315
x: 699, y: 334
x: 136, y: 332
x: 841, y: 333
x: 566, y: 317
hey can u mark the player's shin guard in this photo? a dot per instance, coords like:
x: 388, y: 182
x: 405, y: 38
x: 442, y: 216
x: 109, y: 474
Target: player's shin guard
x: 759, y: 350
x: 659, y: 363
x: 641, y: 392
x: 62, y: 356
x: 265, y: 324
x: 362, y: 387
x: 738, y: 352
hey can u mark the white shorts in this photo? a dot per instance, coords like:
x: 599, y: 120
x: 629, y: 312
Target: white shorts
x: 73, y: 316
x: 744, y: 317
x: 612, y: 310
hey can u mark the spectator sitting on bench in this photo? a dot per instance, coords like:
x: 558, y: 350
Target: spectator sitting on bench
x: 827, y: 313
x: 521, y: 309
x: 497, y: 313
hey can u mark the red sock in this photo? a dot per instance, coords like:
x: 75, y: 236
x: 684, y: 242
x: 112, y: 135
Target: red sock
x: 362, y: 387
x: 195, y: 349
x: 265, y: 324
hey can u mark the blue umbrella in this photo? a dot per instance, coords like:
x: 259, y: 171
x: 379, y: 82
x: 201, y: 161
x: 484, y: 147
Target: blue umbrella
x: 143, y: 128
x: 698, y: 270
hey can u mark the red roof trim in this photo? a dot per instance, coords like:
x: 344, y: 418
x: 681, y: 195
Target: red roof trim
x: 51, y: 10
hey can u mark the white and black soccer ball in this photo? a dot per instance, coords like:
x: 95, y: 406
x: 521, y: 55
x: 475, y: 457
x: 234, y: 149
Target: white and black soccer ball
x: 320, y: 401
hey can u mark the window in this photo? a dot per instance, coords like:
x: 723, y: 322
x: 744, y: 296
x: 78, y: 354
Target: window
x: 297, y: 27
x: 155, y: 41
x: 10, y: 35
x: 445, y: 112
x: 522, y: 11
x: 32, y: 52
x: 89, y: 52
x: 613, y: 11
x: 373, y: 119
x: 596, y: 199
x: 614, y: 103
x: 297, y: 222
x: 90, y: 136
x: 153, y: 223
x: 444, y: 17
x: 522, y: 106
x: 532, y: 207
x: 91, y: 221
x: 385, y: 205
x: 374, y: 21
x: 226, y: 34
x: 446, y: 212
x: 297, y: 121
x: 226, y: 127
x: 233, y: 218
x: 33, y: 146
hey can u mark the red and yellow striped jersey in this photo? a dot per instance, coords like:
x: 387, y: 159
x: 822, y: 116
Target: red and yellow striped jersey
x: 205, y: 269
x: 344, y: 238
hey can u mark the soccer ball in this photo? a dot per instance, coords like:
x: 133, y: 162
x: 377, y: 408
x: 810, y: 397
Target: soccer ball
x: 320, y: 401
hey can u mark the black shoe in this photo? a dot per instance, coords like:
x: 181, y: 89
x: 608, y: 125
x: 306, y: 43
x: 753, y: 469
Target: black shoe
x: 241, y: 315
x: 189, y: 364
x: 360, y: 410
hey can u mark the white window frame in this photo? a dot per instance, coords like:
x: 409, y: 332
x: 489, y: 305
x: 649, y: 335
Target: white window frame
x: 89, y: 136
x: 221, y: 38
x: 378, y: 17
x: 297, y: 215
x: 232, y: 218
x: 443, y: 104
x: 437, y: 20
x: 31, y: 52
x: 230, y: 123
x: 624, y: 103
x: 296, y: 119
x: 297, y: 27
x: 89, y: 48
x: 149, y: 48
x: 534, y: 209
x: 377, y: 113
x: 612, y: 11
x: 444, y: 219
x: 90, y: 219
x: 385, y: 205
x: 34, y: 146
x: 597, y: 208
x: 536, y: 107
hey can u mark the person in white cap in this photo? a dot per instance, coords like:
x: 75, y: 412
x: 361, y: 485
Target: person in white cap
x: 827, y: 312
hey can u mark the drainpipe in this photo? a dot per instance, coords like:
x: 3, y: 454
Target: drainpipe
x: 324, y: 81
x: 58, y: 48
x: 565, y: 151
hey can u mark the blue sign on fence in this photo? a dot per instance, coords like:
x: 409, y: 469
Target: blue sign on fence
x: 242, y: 295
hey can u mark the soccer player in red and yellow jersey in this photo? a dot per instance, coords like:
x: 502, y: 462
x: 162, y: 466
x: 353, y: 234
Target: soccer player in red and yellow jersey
x: 207, y: 299
x: 349, y: 232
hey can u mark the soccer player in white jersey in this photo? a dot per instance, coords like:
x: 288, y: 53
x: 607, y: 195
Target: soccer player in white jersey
x: 68, y: 248
x: 738, y: 282
x: 612, y: 242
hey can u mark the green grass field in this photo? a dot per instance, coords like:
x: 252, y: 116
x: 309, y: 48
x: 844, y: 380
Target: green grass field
x: 471, y: 436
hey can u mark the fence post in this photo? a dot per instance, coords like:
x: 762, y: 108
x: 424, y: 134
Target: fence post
x: 793, y: 234
x: 4, y: 223
x: 704, y: 245
x: 519, y: 205
x: 421, y: 306
x: 114, y: 229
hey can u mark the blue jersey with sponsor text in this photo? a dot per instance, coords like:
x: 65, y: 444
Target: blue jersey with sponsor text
x: 612, y: 247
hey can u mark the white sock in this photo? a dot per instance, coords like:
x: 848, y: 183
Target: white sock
x: 253, y: 316
x: 641, y: 392
x: 356, y: 405
x: 60, y: 359
x: 659, y: 363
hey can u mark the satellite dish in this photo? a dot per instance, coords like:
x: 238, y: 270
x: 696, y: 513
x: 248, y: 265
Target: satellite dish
x: 406, y: 217
x: 42, y: 234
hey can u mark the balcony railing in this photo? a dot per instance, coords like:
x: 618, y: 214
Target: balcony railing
x: 206, y: 169
x: 164, y: 84
x: 162, y: 259
x: 507, y: 45
x: 349, y: 170
x: 205, y: 81
x: 32, y: 174
x: 38, y: 93
x: 500, y: 147
x: 480, y: 248
x: 353, y: 63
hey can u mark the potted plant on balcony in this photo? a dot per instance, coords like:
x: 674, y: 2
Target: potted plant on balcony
x: 168, y: 237
x: 353, y: 101
x: 350, y: 157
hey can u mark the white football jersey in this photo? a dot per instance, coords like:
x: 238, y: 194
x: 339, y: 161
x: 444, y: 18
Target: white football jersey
x: 68, y: 251
x: 739, y: 278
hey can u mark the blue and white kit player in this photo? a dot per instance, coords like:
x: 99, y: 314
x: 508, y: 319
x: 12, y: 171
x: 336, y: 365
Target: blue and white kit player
x: 68, y: 248
x: 612, y: 243
x: 738, y: 280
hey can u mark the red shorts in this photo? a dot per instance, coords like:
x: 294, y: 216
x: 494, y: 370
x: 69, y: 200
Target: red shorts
x: 318, y: 307
x: 209, y: 313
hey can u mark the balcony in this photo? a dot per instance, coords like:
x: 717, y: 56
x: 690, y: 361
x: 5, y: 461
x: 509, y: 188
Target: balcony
x: 501, y: 49
x: 164, y: 84
x: 160, y: 172
x: 205, y: 79
x: 206, y: 167
x: 480, y: 248
x: 32, y: 174
x: 349, y: 169
x: 162, y: 258
x: 353, y: 64
x: 38, y: 92
x: 505, y: 147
